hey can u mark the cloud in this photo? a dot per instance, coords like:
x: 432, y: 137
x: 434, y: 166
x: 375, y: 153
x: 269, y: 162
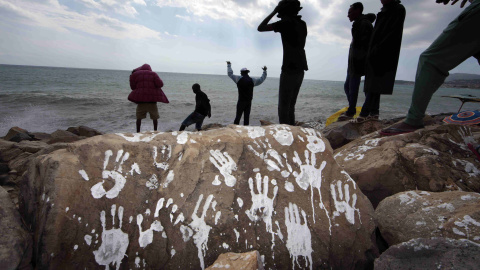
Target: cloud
x: 123, y: 7
x: 51, y: 14
x: 185, y: 18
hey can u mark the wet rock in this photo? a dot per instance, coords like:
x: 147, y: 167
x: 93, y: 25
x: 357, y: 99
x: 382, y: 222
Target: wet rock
x: 16, y: 134
x: 84, y: 131
x: 435, y: 253
x: 15, y: 241
x: 435, y: 158
x: 179, y: 200
x: 62, y: 136
x: 238, y: 261
x: 212, y: 126
x: 420, y: 214
x: 266, y: 123
x: 31, y: 146
x: 341, y: 133
x: 41, y: 136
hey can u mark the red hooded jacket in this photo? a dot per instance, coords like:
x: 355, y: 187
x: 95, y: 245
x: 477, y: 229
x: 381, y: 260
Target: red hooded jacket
x: 146, y: 86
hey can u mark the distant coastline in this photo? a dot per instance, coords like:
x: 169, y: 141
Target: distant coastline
x: 470, y: 84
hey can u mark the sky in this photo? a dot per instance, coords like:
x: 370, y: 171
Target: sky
x: 198, y: 36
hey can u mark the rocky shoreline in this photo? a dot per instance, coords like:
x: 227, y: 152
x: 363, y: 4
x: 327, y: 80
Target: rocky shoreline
x: 299, y: 197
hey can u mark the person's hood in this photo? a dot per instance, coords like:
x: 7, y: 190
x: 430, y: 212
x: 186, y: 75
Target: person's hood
x: 144, y: 67
x: 370, y: 17
x: 393, y: 3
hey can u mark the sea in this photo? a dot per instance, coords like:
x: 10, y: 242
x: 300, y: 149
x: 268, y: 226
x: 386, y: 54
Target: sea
x: 44, y: 99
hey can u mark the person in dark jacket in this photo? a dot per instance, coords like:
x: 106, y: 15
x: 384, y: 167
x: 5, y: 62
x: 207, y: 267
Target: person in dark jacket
x: 361, y: 32
x: 146, y: 88
x: 202, y: 109
x: 293, y: 31
x: 382, y: 58
x: 245, y: 86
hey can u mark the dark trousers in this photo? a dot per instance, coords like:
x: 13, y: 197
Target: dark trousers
x: 371, y: 106
x: 243, y: 107
x: 287, y: 97
x: 352, y: 83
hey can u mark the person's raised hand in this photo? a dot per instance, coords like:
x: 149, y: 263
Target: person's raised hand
x: 228, y: 63
x: 264, y: 68
x: 454, y: 2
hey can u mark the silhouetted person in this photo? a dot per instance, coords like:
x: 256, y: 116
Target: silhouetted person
x: 458, y: 42
x: 382, y: 58
x: 202, y: 109
x: 146, y: 88
x: 245, y: 86
x: 361, y: 32
x: 293, y: 31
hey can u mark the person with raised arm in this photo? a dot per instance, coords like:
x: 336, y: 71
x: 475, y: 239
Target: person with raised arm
x: 293, y: 31
x: 245, y: 85
x: 458, y: 42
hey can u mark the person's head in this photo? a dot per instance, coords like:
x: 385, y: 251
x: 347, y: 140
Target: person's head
x: 288, y: 8
x: 244, y: 71
x: 356, y: 9
x: 196, y: 88
x: 386, y: 2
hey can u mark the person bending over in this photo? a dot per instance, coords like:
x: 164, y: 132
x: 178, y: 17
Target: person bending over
x: 293, y: 31
x: 202, y: 109
x: 458, y: 42
x: 245, y: 86
x: 146, y: 88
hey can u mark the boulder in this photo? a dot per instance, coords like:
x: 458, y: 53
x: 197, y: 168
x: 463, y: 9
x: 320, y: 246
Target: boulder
x: 420, y: 214
x: 62, y: 136
x: 238, y: 261
x: 84, y: 131
x: 435, y: 253
x: 15, y: 241
x: 41, y: 136
x: 212, y: 126
x: 16, y: 134
x: 179, y: 200
x: 341, y: 133
x: 435, y: 158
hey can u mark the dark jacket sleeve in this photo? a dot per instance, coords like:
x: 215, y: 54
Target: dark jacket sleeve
x: 158, y: 81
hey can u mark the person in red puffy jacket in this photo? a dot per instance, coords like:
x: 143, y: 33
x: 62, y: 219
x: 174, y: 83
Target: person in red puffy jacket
x: 146, y: 88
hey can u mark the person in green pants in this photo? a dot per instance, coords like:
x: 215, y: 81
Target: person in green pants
x: 459, y: 41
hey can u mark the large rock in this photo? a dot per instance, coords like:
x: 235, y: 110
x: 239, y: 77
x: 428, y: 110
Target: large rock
x: 84, y: 131
x: 15, y: 241
x: 16, y: 134
x: 179, y: 200
x: 436, y: 253
x: 238, y: 261
x: 421, y: 214
x: 432, y: 159
x: 341, y: 133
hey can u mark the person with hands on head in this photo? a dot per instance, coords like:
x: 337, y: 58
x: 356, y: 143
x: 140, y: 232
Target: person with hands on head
x: 245, y: 86
x: 293, y: 31
x: 458, y: 42
x: 202, y: 109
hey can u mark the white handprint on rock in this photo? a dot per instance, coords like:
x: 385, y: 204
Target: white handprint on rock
x: 199, y: 229
x: 166, y: 155
x: 261, y: 202
x: 98, y: 191
x: 310, y: 176
x: 114, y: 241
x: 226, y: 165
x: 299, y: 241
x: 315, y: 144
x: 283, y: 135
x: 342, y: 201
